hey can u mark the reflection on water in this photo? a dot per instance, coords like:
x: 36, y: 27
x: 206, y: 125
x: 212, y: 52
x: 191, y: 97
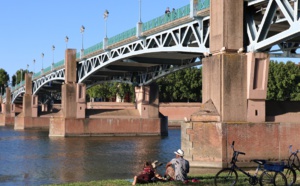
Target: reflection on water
x: 32, y: 158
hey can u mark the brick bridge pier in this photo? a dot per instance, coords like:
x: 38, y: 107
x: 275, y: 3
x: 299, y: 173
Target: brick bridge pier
x: 234, y: 94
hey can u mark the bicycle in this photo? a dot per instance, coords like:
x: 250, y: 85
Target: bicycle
x: 290, y: 175
x: 291, y: 167
x: 229, y: 176
x: 293, y: 160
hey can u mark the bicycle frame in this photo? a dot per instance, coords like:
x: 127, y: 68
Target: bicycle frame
x: 253, y: 178
x: 294, y: 155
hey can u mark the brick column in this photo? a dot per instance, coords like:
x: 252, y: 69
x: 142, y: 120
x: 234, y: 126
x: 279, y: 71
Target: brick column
x: 147, y: 101
x: 73, y: 100
x: 1, y: 101
x: 257, y: 81
x: 24, y: 119
x: 204, y: 138
x: 7, y: 116
x: 35, y: 104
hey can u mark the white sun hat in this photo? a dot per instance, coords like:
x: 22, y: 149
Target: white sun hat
x: 179, y: 152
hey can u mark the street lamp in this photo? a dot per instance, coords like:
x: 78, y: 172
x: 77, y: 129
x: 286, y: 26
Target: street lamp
x: 16, y: 79
x: 105, y: 40
x: 140, y: 5
x: 21, y: 76
x: 82, y: 50
x: 33, y: 66
x: 139, y: 26
x: 66, y: 40
x: 52, y: 66
x: 105, y: 15
x: 42, y: 62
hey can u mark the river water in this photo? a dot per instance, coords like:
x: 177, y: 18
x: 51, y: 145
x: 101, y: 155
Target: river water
x: 31, y: 157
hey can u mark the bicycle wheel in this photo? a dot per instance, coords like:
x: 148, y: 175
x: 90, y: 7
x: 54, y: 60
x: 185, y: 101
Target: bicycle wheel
x: 272, y: 178
x: 226, y: 176
x: 290, y: 175
x: 294, y: 162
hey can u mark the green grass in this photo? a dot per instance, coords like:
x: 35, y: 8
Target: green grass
x: 204, y: 180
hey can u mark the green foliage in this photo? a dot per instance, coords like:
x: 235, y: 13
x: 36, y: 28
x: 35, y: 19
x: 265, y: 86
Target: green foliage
x: 4, y: 78
x: 108, y: 91
x: 19, y: 77
x: 184, y: 85
x: 284, y: 81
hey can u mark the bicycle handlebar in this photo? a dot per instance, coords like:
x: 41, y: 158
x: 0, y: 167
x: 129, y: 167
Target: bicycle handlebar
x: 291, y: 151
x: 242, y: 153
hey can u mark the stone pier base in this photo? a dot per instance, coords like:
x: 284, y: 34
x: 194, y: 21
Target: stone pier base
x: 207, y: 144
x: 22, y: 123
x: 6, y: 120
x: 60, y: 126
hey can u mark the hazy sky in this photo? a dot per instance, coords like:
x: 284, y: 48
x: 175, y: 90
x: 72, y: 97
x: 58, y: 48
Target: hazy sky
x: 30, y: 28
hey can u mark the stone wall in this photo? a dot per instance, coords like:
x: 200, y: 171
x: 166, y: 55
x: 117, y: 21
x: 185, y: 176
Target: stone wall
x: 207, y: 144
x: 178, y: 113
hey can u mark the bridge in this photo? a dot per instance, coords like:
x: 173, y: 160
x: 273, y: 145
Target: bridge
x: 233, y: 46
x: 169, y: 43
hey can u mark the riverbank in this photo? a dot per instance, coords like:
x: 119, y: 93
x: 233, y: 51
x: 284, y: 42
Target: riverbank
x: 202, y: 180
x: 206, y: 180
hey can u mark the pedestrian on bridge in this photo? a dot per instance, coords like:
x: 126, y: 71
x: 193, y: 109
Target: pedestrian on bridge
x: 167, y: 10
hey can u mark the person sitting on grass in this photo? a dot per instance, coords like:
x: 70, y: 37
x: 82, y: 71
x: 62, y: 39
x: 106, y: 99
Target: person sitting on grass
x: 146, y: 175
x: 181, y: 165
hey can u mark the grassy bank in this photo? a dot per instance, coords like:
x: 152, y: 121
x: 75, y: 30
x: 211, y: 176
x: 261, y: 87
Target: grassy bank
x: 204, y: 180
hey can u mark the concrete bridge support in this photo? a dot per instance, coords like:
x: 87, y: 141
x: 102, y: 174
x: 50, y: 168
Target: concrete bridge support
x: 234, y: 93
x: 147, y: 103
x: 28, y: 118
x: 7, y: 115
x: 1, y: 101
x: 73, y: 102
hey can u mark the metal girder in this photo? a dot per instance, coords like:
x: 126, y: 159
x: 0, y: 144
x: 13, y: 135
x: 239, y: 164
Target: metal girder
x: 273, y: 26
x: 54, y: 75
x: 190, y: 38
x: 17, y: 92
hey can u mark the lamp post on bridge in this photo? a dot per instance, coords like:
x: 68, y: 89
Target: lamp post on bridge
x: 82, y: 28
x: 42, y: 62
x: 105, y: 16
x: 139, y: 24
x: 33, y: 66
x: 16, y: 79
x: 21, y: 76
x: 52, y: 66
x: 66, y: 40
x: 140, y: 11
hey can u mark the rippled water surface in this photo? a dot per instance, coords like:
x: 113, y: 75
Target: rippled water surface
x: 30, y: 157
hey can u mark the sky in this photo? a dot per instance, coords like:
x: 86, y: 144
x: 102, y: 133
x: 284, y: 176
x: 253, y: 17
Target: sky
x: 30, y: 28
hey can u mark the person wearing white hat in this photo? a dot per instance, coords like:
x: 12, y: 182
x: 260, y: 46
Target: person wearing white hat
x: 182, y: 166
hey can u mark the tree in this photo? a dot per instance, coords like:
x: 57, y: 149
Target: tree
x: 4, y: 79
x: 121, y: 89
x: 183, y: 85
x: 190, y: 85
x: 167, y: 88
x: 283, y: 82
x: 99, y: 91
